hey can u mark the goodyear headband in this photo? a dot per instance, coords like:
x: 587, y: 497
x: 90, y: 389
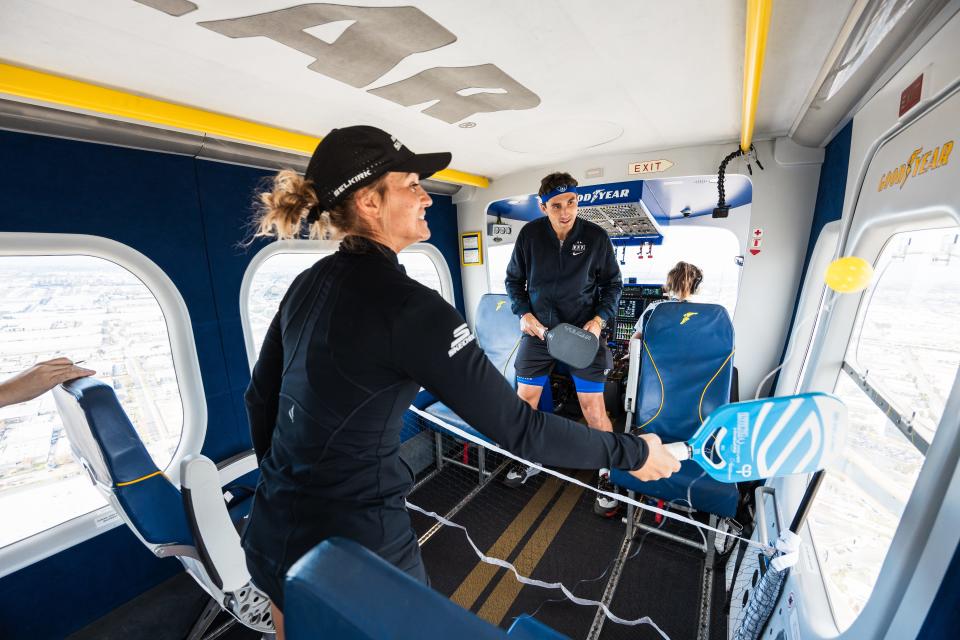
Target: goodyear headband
x: 545, y: 198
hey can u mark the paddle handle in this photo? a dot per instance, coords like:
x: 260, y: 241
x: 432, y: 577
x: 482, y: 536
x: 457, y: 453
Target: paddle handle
x: 679, y: 450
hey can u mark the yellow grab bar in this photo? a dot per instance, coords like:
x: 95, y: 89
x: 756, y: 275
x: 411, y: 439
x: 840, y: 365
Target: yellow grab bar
x: 758, y: 24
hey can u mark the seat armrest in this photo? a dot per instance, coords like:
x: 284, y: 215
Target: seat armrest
x: 237, y: 466
x: 217, y: 541
x: 633, y: 377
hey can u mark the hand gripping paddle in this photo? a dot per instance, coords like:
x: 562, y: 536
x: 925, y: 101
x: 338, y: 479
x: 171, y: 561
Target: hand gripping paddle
x: 766, y: 438
x: 575, y: 346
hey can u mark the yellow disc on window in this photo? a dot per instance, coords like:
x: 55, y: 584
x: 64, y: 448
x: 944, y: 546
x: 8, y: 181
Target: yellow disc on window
x: 849, y: 274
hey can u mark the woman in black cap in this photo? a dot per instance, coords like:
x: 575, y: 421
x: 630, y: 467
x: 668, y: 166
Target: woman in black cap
x: 351, y: 345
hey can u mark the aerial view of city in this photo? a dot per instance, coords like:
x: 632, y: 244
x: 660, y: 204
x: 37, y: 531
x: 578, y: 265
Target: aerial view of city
x: 87, y: 309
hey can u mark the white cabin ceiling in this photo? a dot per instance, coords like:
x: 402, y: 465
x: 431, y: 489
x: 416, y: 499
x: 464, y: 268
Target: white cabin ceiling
x: 611, y: 77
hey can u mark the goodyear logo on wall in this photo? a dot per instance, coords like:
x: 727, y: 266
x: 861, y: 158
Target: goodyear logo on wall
x: 920, y: 162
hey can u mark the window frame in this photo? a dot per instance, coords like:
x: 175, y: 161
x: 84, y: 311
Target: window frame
x: 489, y: 264
x: 186, y: 368
x: 925, y: 523
x: 320, y: 246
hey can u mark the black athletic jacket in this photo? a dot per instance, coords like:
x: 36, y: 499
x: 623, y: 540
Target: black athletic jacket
x: 352, y: 342
x: 569, y: 282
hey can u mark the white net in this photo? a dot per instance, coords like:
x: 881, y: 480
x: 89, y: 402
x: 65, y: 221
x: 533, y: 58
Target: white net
x: 540, y: 549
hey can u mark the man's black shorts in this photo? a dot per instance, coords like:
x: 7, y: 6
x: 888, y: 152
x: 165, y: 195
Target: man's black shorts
x: 534, y: 361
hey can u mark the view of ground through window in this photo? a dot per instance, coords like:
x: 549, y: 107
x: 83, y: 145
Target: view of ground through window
x: 272, y: 279
x: 89, y: 309
x: 907, y: 344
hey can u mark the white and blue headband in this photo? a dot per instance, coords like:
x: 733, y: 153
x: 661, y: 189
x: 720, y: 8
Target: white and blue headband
x: 567, y: 188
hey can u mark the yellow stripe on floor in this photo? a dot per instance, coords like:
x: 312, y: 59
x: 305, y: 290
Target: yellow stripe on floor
x: 506, y: 591
x: 481, y: 575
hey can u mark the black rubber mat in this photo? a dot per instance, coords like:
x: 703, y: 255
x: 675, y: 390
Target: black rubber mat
x: 440, y: 494
x: 447, y: 556
x: 662, y: 581
x: 166, y: 612
x: 582, y: 568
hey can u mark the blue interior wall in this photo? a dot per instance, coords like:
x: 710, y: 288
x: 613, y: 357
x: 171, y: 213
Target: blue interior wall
x: 830, y: 191
x: 444, y: 235
x: 188, y: 216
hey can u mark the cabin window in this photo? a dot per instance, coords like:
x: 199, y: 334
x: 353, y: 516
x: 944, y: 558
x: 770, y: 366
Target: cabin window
x: 498, y: 258
x: 275, y: 268
x: 86, y: 308
x: 270, y: 282
x: 716, y: 251
x: 897, y: 372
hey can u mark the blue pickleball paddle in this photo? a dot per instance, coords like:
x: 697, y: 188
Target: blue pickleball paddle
x: 766, y: 438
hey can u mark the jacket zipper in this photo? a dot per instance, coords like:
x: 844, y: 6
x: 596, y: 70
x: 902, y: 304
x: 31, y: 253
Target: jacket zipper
x: 556, y: 278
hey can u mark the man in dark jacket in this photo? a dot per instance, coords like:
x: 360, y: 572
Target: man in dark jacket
x: 563, y: 269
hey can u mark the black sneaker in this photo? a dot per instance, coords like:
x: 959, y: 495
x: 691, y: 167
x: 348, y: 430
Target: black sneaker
x: 604, y: 505
x: 519, y: 474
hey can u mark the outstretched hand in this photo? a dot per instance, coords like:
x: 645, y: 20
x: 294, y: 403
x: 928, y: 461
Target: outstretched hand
x: 39, y: 379
x: 660, y: 463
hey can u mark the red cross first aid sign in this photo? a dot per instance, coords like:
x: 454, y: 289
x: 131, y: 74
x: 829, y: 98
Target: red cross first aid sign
x: 756, y: 237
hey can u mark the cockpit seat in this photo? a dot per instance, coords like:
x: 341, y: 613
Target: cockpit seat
x: 191, y: 522
x: 317, y: 604
x: 498, y: 334
x: 685, y: 364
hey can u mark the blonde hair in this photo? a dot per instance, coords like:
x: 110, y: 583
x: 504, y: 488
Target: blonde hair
x: 288, y: 202
x: 683, y: 280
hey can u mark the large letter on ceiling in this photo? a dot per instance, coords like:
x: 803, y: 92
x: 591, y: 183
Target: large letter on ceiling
x: 461, y: 92
x: 175, y: 8
x: 378, y: 39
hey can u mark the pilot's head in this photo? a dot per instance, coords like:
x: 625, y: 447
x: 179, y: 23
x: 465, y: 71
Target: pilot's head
x: 683, y: 280
x: 558, y: 199
x: 360, y: 181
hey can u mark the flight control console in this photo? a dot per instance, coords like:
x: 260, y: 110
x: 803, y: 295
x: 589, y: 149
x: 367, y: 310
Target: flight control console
x: 633, y: 301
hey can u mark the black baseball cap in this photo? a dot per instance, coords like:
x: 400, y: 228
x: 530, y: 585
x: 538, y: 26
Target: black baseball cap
x: 351, y: 157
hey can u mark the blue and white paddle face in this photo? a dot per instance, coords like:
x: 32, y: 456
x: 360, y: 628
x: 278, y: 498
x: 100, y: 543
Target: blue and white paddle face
x: 773, y: 437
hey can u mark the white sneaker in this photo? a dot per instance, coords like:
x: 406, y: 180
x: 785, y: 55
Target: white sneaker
x: 604, y: 505
x: 519, y: 474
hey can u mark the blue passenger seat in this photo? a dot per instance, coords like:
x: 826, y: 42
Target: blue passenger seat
x: 498, y: 334
x: 685, y: 372
x: 196, y: 522
x: 329, y: 593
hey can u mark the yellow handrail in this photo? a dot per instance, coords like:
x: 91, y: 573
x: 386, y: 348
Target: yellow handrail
x: 54, y: 89
x: 758, y: 24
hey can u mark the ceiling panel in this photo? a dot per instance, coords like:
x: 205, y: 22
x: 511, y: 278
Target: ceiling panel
x: 608, y: 77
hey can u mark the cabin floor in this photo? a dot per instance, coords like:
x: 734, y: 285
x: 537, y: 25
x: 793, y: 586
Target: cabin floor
x: 560, y: 539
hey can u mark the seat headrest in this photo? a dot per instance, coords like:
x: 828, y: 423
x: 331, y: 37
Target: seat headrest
x: 85, y: 447
x: 105, y: 425
x: 498, y: 332
x: 332, y: 587
x: 102, y: 436
x: 686, y: 367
